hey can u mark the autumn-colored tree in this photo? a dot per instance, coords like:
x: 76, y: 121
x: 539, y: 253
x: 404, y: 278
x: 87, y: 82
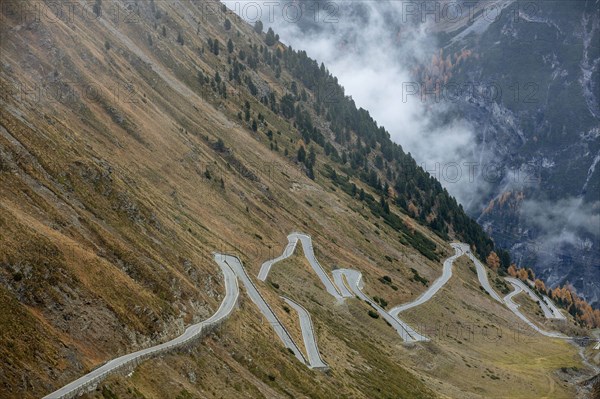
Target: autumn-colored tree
x: 584, y: 313
x: 556, y: 293
x: 512, y: 270
x: 563, y: 296
x: 540, y: 286
x: 596, y: 318
x: 522, y: 274
x: 567, y: 296
x: 493, y: 261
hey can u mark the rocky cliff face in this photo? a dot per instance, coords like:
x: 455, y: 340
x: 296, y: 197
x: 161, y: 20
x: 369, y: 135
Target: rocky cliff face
x: 535, y: 68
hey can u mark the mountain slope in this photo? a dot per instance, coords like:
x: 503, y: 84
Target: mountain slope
x: 497, y: 98
x: 128, y: 159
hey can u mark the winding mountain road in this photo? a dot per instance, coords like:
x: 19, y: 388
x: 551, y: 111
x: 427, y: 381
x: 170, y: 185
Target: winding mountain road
x: 459, y: 250
x: 309, y: 253
x: 525, y: 288
x: 557, y: 314
x: 519, y: 287
x: 482, y: 275
x: 407, y: 333
x: 263, y: 306
x: 346, y: 283
x: 352, y: 285
x: 308, y: 335
x: 194, y: 331
x: 341, y: 283
x: 287, y: 252
x: 508, y: 299
x: 551, y: 307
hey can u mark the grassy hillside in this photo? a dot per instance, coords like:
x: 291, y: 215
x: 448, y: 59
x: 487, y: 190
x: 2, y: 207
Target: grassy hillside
x: 126, y: 161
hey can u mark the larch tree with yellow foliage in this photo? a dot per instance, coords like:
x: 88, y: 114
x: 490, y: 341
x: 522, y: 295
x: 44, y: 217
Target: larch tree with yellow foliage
x: 493, y: 261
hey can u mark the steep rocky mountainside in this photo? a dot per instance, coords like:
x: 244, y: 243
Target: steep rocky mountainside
x: 537, y: 113
x: 136, y: 139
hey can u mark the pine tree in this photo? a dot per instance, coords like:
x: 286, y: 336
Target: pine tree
x: 301, y: 154
x: 258, y: 26
x: 311, y: 173
x: 294, y: 87
x: 270, y: 38
x: 229, y: 46
x: 312, y: 156
x: 384, y: 205
x: 220, y: 145
x: 227, y: 24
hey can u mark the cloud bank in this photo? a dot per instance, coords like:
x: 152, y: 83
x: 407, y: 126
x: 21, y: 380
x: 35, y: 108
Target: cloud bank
x: 373, y: 50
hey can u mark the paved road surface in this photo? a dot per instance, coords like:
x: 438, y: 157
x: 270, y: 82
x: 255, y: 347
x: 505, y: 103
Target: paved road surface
x: 265, y: 309
x: 340, y: 282
x: 308, y: 335
x: 555, y: 312
x: 459, y: 250
x: 483, y: 280
x: 310, y: 255
x: 515, y: 309
x: 482, y: 275
x: 307, y: 247
x: 339, y: 289
x: 348, y: 282
x: 524, y: 287
x: 227, y: 305
x: 354, y: 279
x: 287, y: 252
